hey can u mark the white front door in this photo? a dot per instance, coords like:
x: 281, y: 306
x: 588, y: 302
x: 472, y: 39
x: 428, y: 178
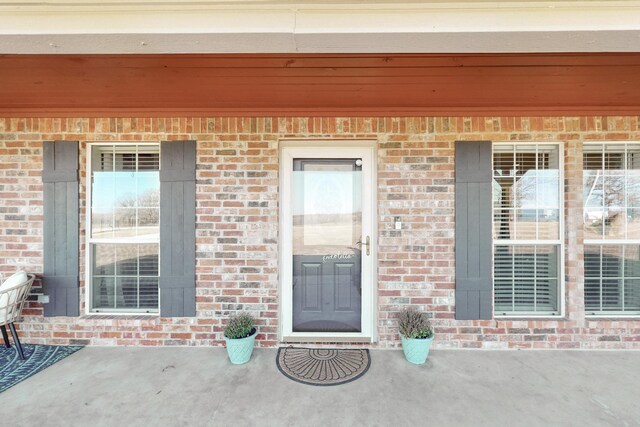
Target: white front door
x: 327, y: 242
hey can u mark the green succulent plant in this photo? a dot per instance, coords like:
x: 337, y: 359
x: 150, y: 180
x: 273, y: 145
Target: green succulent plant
x: 414, y: 324
x: 239, y: 326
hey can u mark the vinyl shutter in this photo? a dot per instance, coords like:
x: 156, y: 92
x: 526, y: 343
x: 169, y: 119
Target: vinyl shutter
x: 473, y: 212
x: 177, y: 228
x: 61, y: 219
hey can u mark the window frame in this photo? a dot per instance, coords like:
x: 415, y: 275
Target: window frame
x: 561, y: 313
x: 89, y: 241
x: 605, y: 242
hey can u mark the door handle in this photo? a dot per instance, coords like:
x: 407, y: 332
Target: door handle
x: 367, y: 243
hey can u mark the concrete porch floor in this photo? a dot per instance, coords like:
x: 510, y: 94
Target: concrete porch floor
x: 100, y: 386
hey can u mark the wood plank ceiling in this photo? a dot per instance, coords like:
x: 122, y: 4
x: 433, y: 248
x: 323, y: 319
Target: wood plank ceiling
x: 314, y: 84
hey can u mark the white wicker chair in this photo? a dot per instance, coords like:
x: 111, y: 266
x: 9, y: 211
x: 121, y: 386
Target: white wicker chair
x: 13, y: 294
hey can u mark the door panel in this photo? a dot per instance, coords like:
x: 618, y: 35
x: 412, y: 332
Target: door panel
x: 311, y: 287
x: 327, y: 233
x: 346, y: 291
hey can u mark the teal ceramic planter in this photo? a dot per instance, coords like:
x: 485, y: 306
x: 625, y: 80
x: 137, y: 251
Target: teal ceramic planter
x: 416, y: 350
x: 240, y: 350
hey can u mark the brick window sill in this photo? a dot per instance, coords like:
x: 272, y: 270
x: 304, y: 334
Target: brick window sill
x: 131, y: 316
x: 612, y: 317
x: 530, y: 318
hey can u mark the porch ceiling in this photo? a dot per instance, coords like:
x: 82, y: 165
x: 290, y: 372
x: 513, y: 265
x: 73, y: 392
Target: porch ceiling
x: 319, y: 84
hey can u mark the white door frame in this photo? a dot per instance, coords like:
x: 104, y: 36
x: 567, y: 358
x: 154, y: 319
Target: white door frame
x: 365, y: 150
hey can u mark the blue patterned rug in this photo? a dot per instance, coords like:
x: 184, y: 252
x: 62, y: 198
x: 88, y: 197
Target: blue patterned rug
x: 37, y: 357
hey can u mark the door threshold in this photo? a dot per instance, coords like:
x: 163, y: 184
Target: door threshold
x: 316, y: 339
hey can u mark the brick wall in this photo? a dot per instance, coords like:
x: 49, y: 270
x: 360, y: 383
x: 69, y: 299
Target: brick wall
x: 237, y: 231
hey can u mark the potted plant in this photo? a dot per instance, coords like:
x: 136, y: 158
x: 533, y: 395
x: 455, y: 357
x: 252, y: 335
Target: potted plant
x: 240, y: 335
x: 416, y: 334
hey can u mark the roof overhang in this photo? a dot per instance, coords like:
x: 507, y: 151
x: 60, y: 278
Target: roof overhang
x: 272, y: 26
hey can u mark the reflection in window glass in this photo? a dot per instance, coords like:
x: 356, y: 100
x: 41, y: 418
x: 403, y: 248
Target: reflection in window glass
x: 125, y: 201
x: 611, y: 197
x: 125, y: 276
x: 526, y: 278
x: 125, y: 219
x: 327, y: 245
x: 526, y: 228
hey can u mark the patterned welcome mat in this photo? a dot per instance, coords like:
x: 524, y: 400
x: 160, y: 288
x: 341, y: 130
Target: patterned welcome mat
x: 321, y: 366
x: 37, y: 357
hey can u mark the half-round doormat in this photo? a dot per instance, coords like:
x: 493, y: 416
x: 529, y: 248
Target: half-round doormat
x: 322, y: 366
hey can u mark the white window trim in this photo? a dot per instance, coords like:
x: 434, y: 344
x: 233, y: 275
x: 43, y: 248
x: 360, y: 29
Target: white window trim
x: 560, y: 242
x: 89, y: 241
x: 609, y: 314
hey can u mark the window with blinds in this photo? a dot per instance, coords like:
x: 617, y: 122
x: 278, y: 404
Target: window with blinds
x: 527, y: 229
x: 124, y: 228
x: 611, y: 198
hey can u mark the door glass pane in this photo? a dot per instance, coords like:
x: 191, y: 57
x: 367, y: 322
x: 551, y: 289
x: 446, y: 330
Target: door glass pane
x: 327, y: 233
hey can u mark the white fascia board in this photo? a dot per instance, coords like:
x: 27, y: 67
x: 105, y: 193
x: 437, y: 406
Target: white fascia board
x: 114, y: 26
x: 440, y: 20
x: 147, y: 22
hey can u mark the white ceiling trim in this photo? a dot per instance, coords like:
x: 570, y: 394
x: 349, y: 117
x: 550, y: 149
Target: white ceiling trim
x: 161, y: 26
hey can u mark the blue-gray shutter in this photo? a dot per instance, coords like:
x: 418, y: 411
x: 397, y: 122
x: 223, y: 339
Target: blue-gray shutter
x: 178, y: 229
x: 61, y: 220
x: 474, y: 247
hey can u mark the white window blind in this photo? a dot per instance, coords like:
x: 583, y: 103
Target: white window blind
x: 527, y: 227
x: 611, y: 197
x: 124, y: 224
